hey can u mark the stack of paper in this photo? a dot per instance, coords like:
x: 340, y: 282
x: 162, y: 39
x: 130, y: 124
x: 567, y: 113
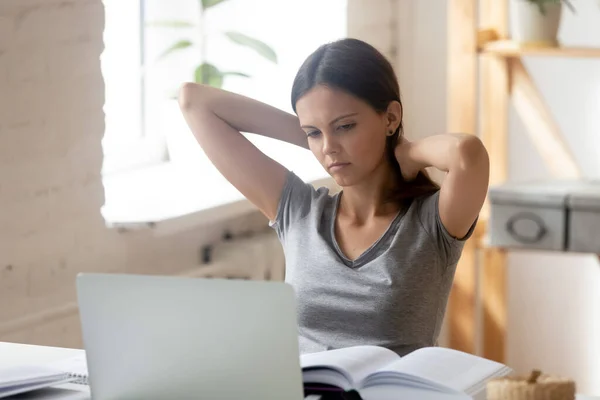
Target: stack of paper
x: 23, y: 379
x: 75, y: 366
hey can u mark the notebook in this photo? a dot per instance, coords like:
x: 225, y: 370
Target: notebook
x: 373, y: 372
x: 75, y: 367
x: 22, y: 379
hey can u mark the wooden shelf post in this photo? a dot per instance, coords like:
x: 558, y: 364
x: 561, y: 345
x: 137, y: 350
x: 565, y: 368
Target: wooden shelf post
x: 462, y: 106
x: 466, y: 31
x: 493, y: 118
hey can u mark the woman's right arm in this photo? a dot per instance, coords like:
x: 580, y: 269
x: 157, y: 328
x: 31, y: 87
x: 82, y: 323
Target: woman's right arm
x: 216, y: 118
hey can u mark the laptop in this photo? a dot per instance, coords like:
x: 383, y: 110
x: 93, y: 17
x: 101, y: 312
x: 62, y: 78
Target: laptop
x: 162, y: 337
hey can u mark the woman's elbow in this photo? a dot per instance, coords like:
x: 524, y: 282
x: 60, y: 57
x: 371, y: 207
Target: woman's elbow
x: 472, y: 153
x: 186, y: 95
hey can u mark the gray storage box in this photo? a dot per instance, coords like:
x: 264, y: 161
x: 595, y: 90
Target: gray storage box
x: 549, y: 215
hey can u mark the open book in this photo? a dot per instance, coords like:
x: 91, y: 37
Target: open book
x: 378, y: 373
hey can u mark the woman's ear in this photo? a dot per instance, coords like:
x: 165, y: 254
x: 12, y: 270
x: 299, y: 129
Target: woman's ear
x: 394, y: 115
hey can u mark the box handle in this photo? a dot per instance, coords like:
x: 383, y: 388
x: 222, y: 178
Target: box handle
x: 526, y: 216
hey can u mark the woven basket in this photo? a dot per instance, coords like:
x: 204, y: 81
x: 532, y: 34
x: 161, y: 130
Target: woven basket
x: 535, y: 387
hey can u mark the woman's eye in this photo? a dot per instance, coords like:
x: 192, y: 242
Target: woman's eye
x: 347, y: 127
x: 312, y: 133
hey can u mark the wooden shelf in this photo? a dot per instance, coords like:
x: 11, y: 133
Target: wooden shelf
x: 509, y: 48
x: 479, y: 92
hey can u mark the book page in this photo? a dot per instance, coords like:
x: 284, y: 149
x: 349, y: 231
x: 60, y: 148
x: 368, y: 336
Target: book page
x: 355, y: 363
x: 449, y: 368
x: 394, y: 392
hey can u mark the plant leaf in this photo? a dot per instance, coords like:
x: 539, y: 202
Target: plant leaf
x: 570, y: 5
x: 171, y: 24
x: 260, y: 47
x: 235, y: 73
x: 206, y: 4
x: 541, y: 4
x: 208, y: 74
x: 542, y: 8
x: 180, y: 45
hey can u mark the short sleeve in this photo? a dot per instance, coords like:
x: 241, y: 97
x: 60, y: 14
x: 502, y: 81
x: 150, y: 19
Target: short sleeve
x: 295, y: 203
x: 429, y: 215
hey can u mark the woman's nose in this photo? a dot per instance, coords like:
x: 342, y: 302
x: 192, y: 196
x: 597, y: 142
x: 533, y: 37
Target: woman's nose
x: 330, y: 145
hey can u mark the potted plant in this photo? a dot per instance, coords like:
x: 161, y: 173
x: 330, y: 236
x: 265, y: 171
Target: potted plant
x: 181, y: 145
x: 206, y: 72
x: 536, y: 22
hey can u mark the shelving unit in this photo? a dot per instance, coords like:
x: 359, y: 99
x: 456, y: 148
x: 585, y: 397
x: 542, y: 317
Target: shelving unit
x: 507, y: 48
x: 485, y: 72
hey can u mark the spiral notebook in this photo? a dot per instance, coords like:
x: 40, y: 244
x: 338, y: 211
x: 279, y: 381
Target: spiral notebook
x: 74, y: 367
x: 26, y: 378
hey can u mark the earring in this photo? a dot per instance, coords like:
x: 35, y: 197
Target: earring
x: 390, y: 133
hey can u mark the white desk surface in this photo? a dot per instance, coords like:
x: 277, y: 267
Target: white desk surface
x: 15, y: 354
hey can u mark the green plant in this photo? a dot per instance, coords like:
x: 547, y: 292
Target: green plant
x: 542, y: 4
x: 205, y: 72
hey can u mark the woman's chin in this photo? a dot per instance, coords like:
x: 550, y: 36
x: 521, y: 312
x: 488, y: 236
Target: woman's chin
x: 343, y: 181
x: 344, y: 177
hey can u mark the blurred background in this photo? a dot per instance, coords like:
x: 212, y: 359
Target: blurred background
x: 98, y: 171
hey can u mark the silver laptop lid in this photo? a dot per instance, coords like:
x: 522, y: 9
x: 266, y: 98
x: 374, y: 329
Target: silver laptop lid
x: 162, y: 337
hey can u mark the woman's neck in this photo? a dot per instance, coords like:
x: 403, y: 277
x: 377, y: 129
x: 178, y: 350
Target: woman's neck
x: 368, y: 199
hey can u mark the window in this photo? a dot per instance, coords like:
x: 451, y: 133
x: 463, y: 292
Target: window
x: 154, y: 169
x: 126, y: 143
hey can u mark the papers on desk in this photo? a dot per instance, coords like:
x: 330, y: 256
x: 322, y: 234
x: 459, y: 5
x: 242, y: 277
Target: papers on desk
x: 75, y: 366
x: 21, y: 379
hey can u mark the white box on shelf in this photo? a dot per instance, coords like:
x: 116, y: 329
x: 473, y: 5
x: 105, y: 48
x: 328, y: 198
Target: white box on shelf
x: 584, y: 220
x: 559, y: 215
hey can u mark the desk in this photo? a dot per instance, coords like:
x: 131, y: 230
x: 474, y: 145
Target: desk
x: 14, y: 354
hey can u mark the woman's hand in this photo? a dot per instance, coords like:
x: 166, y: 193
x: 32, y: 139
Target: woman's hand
x: 465, y: 186
x: 408, y: 165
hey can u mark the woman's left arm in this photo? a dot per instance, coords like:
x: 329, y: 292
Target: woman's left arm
x: 465, y: 187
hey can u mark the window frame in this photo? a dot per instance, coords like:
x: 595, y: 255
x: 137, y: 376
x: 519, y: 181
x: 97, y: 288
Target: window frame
x: 148, y: 174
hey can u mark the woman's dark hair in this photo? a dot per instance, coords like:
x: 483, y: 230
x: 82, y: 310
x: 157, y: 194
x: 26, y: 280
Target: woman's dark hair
x: 359, y: 69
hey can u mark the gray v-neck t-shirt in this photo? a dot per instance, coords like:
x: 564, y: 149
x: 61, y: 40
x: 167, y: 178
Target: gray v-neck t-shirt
x: 393, y: 295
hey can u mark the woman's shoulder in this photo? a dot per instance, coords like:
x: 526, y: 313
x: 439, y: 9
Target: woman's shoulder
x: 424, y: 212
x: 300, y: 199
x: 318, y: 190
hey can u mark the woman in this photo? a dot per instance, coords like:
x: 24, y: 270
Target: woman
x: 373, y: 264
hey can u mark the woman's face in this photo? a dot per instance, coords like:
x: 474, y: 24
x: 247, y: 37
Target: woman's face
x: 345, y: 134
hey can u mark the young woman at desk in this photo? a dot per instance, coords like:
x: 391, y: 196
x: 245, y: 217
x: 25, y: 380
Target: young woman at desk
x: 373, y: 264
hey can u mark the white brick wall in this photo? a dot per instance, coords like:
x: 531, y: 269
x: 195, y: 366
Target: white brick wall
x: 51, y: 126
x: 375, y: 21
